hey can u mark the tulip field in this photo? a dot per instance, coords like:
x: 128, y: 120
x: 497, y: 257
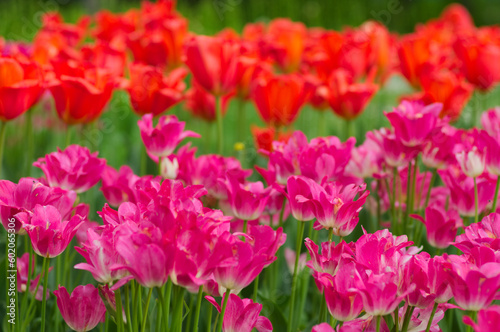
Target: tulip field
x: 282, y: 177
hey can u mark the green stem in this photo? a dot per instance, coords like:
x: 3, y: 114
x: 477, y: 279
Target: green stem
x: 245, y: 225
x: 218, y: 115
x: 223, y: 310
x: 166, y: 307
x: 159, y: 167
x: 127, y: 308
x: 45, y: 283
x: 198, y: 308
x: 30, y: 143
x: 322, y: 310
x: 476, y: 198
x: 330, y: 234
x: 139, y: 302
x: 135, y: 294
x: 209, y: 318
x: 146, y: 309
x: 494, y: 206
x: 472, y: 315
x: 67, y: 140
x: 119, y: 311
x: 333, y: 322
x: 298, y: 244
x: 396, y: 319
x: 179, y: 303
x: 429, y: 324
x: 3, y: 126
x: 407, y: 319
x: 378, y: 323
x: 242, y: 126
x: 255, y: 288
x: 349, y: 127
x: 392, y: 198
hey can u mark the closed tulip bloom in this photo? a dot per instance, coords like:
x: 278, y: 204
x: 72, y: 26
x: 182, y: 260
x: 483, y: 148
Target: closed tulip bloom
x: 300, y: 192
x: 213, y: 62
x: 161, y: 141
x: 348, y: 99
x: 279, y: 98
x: 490, y: 120
x: 242, y: 315
x: 247, y: 200
x: 201, y: 104
x: 151, y: 92
x: 83, y: 309
x: 75, y: 168
x: 81, y: 98
x: 472, y: 162
x: 441, y: 226
x: 20, y: 88
x: 49, y: 234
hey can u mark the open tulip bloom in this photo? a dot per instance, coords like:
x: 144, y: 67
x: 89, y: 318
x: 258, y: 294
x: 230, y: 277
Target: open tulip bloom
x: 392, y: 225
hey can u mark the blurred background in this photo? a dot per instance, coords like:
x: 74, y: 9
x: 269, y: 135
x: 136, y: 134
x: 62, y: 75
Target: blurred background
x: 20, y: 19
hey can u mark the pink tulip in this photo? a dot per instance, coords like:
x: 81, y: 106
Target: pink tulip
x: 438, y: 151
x: 22, y: 277
x: 122, y: 186
x: 75, y: 168
x: 161, y: 141
x: 470, y: 152
x: 437, y: 274
x: 242, y: 315
x: 393, y: 151
x: 100, y: 255
x: 49, y: 234
x: 474, y: 287
x: 247, y: 200
x: 323, y: 327
x: 343, y: 303
x: 488, y: 320
x: 486, y: 232
x: 18, y: 201
x: 441, y: 226
x: 420, y: 318
x: 83, y: 309
x: 413, y: 122
x: 490, y: 120
x: 415, y: 272
x: 492, y: 157
x: 290, y: 256
x: 301, y: 191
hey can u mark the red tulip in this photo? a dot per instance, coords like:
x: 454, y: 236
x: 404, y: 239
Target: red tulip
x: 201, y: 104
x: 20, y: 88
x: 347, y: 98
x: 213, y: 62
x: 81, y: 96
x: 278, y: 98
x: 151, y: 92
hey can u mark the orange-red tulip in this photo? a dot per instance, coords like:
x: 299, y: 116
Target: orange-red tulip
x: 214, y: 63
x: 201, y: 104
x: 151, y: 92
x: 20, y: 88
x: 347, y: 98
x: 279, y: 98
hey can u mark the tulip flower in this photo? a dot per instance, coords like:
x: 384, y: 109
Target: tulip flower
x: 151, y: 92
x: 300, y: 192
x: 22, y: 277
x: 473, y: 287
x: 241, y: 315
x: 80, y: 97
x: 49, y: 234
x: 488, y: 320
x: 413, y: 122
x: 201, y: 104
x: 247, y: 200
x: 19, y: 200
x: 347, y: 98
x: 83, y: 299
x: 75, y: 168
x: 161, y: 141
x: 490, y: 120
x: 20, y: 88
x: 441, y: 226
x: 279, y: 98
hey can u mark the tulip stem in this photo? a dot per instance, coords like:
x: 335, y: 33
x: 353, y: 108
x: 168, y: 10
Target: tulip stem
x: 429, y: 324
x: 3, y: 125
x: 396, y: 319
x: 44, y: 290
x: 241, y: 120
x: 245, y: 225
x: 166, y: 307
x: 300, y: 234
x: 223, y: 310
x: 209, y: 319
x: 378, y: 323
x: 28, y: 283
x: 330, y: 234
x: 476, y: 202
x: 198, y: 308
x: 159, y: 167
x: 127, y: 308
x: 218, y: 116
x: 333, y: 322
x: 29, y: 138
x: 179, y: 304
x: 392, y: 199
x: 146, y: 309
x: 472, y: 315
x: 67, y: 140
x: 255, y: 288
x: 494, y: 206
x: 407, y: 319
x: 119, y: 314
x: 349, y: 127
